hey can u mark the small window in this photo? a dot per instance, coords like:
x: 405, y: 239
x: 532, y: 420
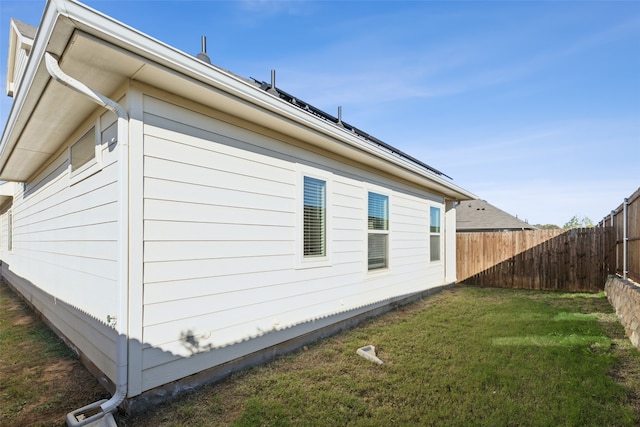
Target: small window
x: 84, y: 150
x: 434, y: 234
x: 315, y: 218
x: 378, y: 231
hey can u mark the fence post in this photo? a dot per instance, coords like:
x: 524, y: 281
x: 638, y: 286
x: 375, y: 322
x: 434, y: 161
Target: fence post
x: 625, y: 237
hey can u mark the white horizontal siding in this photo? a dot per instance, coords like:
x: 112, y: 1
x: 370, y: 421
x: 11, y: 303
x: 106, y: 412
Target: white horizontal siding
x: 193, y: 288
x: 64, y: 256
x: 221, y: 206
x: 159, y: 189
x: 68, y: 231
x: 210, y: 175
x: 171, y: 210
x: 217, y: 231
x: 184, y: 250
x: 93, y: 338
x: 176, y: 270
x: 255, y: 312
x: 179, y: 367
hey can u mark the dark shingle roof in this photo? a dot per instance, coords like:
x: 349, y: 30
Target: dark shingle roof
x: 478, y: 215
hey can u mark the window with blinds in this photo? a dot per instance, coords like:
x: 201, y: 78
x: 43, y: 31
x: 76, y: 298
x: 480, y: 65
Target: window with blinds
x: 378, y: 231
x: 314, y: 242
x: 434, y: 233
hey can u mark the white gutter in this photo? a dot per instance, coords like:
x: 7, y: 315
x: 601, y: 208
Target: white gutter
x: 88, y: 414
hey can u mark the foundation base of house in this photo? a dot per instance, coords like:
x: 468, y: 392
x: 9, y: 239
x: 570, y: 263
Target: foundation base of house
x: 150, y: 398
x: 167, y: 392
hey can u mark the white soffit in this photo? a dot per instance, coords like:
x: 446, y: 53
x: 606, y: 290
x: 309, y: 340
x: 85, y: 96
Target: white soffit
x: 60, y: 110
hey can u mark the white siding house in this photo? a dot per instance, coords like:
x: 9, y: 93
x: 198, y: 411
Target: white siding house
x: 170, y: 219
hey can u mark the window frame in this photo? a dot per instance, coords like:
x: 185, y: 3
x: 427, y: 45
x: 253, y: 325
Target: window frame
x: 313, y: 261
x: 101, y: 131
x: 378, y: 231
x: 314, y: 235
x: 437, y: 233
x: 88, y: 138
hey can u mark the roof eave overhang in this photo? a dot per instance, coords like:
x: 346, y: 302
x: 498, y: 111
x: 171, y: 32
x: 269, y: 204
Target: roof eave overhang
x: 52, y: 36
x: 161, y: 65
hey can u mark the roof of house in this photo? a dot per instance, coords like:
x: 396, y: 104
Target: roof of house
x: 107, y: 54
x: 479, y: 215
x: 24, y: 28
x: 21, y: 37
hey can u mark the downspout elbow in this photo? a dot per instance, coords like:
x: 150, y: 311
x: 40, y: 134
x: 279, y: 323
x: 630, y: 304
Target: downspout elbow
x: 112, y: 404
x: 61, y: 77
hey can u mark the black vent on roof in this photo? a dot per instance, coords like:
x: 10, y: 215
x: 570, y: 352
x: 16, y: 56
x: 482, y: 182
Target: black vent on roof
x: 338, y: 121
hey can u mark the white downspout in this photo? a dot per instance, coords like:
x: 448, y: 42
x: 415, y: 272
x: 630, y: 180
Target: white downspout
x: 122, y: 320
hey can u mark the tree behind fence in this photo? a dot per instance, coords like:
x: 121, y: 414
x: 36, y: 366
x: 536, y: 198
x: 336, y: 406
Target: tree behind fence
x: 574, y: 260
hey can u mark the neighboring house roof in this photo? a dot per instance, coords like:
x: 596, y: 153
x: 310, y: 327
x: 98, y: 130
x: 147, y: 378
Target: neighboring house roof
x: 479, y: 215
x: 107, y: 55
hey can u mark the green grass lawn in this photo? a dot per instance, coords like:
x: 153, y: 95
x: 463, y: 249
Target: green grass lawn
x: 41, y: 379
x: 465, y: 356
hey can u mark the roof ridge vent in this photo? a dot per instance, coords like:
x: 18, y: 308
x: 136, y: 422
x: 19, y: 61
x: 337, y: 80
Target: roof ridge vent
x: 202, y: 56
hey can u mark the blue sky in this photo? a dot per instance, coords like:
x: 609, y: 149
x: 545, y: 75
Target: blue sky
x: 533, y: 106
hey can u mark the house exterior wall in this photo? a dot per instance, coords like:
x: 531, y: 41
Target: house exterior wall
x: 223, y: 275
x: 63, y: 256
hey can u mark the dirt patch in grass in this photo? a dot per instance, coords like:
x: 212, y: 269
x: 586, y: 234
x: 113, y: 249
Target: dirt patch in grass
x: 42, y: 380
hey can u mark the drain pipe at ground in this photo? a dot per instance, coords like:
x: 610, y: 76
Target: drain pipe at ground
x: 95, y: 411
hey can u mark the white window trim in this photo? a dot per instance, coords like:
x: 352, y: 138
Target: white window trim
x: 371, y: 188
x: 92, y: 166
x: 302, y: 262
x: 10, y: 236
x: 440, y: 233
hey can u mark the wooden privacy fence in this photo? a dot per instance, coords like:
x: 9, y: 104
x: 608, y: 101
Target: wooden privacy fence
x: 477, y: 252
x: 577, y: 260
x: 625, y: 220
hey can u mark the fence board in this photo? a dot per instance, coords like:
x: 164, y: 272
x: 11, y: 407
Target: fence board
x: 633, y: 236
x: 576, y: 260
x: 479, y: 251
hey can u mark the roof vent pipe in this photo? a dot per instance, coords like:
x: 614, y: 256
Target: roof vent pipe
x: 202, y: 56
x: 273, y: 79
x: 340, y: 115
